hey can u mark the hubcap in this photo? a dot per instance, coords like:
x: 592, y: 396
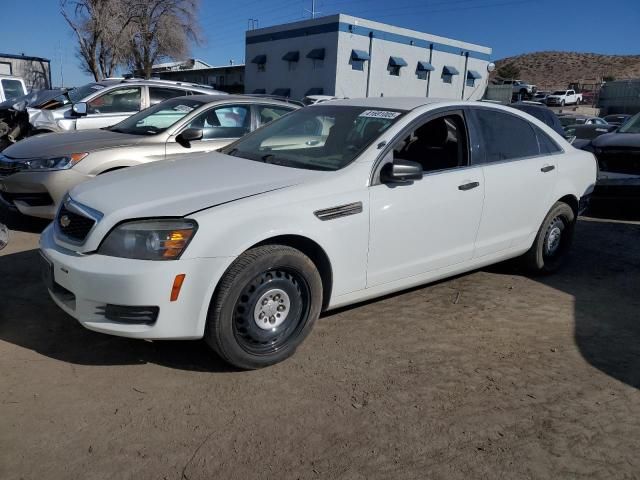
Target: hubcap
x: 554, y: 237
x: 271, y: 309
x: 4, y: 236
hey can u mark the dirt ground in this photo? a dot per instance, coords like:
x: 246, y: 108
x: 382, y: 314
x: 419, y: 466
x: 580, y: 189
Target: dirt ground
x: 487, y: 375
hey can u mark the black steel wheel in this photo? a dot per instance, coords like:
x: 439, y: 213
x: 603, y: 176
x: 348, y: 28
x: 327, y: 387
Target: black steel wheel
x: 264, y: 307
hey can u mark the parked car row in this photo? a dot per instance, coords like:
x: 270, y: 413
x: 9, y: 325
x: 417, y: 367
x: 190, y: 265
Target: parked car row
x: 37, y: 172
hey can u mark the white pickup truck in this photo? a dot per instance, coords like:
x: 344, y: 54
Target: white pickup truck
x: 564, y: 97
x: 519, y: 87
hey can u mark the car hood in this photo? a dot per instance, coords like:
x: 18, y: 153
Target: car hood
x: 615, y: 140
x: 183, y: 185
x: 64, y: 143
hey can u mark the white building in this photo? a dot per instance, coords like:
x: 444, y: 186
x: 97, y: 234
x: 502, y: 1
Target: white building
x: 351, y: 57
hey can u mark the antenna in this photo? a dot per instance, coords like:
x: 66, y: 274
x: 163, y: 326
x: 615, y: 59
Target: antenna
x: 313, y: 10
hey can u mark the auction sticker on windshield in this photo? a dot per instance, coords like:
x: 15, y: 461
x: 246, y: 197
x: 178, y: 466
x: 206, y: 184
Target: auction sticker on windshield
x: 379, y: 114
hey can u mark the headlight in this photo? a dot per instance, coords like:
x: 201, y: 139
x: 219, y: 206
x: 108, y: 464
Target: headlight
x: 159, y: 239
x: 51, y: 163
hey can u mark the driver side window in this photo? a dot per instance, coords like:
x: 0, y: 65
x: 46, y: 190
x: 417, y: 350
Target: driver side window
x: 228, y: 121
x: 119, y: 100
x: 438, y: 144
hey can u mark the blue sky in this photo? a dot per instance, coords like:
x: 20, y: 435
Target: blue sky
x: 510, y: 27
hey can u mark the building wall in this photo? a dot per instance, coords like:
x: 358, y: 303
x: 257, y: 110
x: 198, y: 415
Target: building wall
x: 228, y: 79
x: 339, y: 35
x: 34, y: 71
x: 298, y: 76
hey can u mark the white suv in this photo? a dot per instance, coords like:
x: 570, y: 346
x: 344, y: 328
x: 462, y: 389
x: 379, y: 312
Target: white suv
x: 105, y: 103
x: 329, y: 205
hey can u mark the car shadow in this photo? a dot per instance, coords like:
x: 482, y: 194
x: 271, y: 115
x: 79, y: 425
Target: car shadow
x: 602, y: 275
x: 30, y: 319
x: 21, y: 223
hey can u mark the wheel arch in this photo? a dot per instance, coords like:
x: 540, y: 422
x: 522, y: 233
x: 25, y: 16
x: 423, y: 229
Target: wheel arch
x: 572, y: 201
x: 315, y: 252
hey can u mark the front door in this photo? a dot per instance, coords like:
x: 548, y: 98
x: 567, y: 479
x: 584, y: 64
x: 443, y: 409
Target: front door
x: 110, y: 108
x: 431, y: 223
x: 220, y: 126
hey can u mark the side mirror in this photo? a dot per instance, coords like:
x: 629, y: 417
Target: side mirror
x: 401, y: 171
x: 79, y: 109
x: 189, y: 135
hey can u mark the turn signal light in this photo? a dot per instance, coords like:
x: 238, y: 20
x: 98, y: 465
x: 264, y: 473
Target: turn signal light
x: 177, y: 285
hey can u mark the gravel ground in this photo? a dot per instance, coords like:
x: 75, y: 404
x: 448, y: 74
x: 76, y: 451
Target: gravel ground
x: 487, y: 375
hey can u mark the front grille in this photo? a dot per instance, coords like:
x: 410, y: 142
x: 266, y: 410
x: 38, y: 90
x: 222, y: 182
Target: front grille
x: 74, y: 225
x: 619, y: 161
x: 129, y: 315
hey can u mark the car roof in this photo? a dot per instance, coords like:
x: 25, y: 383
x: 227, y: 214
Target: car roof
x: 240, y: 98
x: 396, y: 103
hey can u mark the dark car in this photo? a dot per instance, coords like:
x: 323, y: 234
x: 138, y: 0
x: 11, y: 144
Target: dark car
x: 542, y: 113
x: 618, y: 155
x: 617, y: 119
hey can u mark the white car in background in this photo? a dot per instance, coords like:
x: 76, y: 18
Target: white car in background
x: 564, y: 97
x: 330, y: 205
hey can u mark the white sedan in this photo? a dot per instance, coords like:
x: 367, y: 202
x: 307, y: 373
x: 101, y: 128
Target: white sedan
x: 330, y: 205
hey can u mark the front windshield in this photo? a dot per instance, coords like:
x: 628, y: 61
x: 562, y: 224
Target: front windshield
x: 559, y: 92
x: 158, y: 118
x: 324, y: 137
x: 632, y: 125
x: 78, y: 94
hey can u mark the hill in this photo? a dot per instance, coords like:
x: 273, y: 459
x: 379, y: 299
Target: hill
x: 550, y: 70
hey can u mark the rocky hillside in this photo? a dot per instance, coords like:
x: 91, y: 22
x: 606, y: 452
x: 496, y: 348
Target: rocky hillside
x: 549, y: 70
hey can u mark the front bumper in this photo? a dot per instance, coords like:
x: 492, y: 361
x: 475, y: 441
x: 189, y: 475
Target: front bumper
x: 88, y: 286
x: 617, y: 186
x: 38, y: 194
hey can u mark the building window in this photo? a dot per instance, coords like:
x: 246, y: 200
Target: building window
x: 358, y: 57
x: 448, y: 73
x: 423, y: 69
x: 395, y: 64
x: 261, y: 67
x: 357, y: 65
x: 260, y: 61
x: 5, y: 68
x: 472, y: 76
x: 422, y: 74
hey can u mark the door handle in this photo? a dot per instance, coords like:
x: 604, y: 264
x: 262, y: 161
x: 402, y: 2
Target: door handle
x: 468, y: 186
x: 547, y: 168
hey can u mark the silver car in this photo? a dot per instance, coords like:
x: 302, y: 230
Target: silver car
x: 105, y: 103
x: 35, y: 173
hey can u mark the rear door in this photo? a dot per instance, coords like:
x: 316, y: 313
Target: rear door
x: 520, y: 171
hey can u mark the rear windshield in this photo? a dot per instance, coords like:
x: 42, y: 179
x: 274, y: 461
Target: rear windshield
x: 323, y: 137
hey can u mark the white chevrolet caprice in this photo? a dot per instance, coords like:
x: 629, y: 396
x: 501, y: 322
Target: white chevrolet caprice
x: 330, y: 205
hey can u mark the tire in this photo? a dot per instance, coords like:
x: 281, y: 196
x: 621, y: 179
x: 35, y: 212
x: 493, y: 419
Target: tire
x: 553, y: 241
x: 250, y: 334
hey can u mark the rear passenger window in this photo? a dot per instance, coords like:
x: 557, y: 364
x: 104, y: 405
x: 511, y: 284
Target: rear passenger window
x: 505, y: 136
x: 547, y: 145
x: 160, y: 94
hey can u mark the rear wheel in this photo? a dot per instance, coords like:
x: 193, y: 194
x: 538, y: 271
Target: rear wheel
x: 265, y: 306
x: 553, y: 241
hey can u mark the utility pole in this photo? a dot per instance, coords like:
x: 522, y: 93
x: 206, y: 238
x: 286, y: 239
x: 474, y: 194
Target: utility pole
x: 313, y: 10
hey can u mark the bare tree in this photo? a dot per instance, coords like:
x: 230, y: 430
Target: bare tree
x: 101, y: 27
x: 161, y: 29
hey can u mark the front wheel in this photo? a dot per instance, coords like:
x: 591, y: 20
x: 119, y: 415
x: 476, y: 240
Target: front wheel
x: 553, y: 241
x: 265, y: 306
